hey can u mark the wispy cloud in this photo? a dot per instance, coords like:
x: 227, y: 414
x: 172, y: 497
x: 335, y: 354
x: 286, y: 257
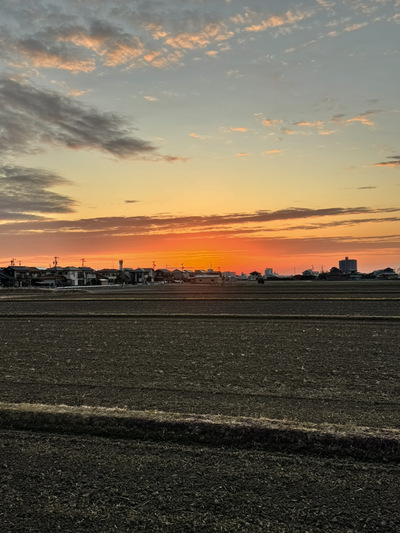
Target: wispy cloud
x: 81, y: 39
x: 289, y: 131
x: 75, y: 93
x: 271, y: 122
x: 26, y: 195
x: 212, y: 32
x: 394, y: 163
x: 326, y: 132
x: 348, y: 222
x: 160, y: 224
x: 328, y: 4
x: 289, y: 18
x: 32, y: 117
x: 39, y: 54
x: 363, y: 118
x: 113, y: 45
x: 355, y: 26
x: 308, y: 124
x: 198, y: 136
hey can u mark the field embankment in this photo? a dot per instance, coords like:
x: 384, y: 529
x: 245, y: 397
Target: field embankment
x: 272, y: 435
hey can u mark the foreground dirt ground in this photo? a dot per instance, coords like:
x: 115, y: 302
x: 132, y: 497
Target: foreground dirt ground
x: 307, y: 352
x: 317, y: 353
x: 76, y: 484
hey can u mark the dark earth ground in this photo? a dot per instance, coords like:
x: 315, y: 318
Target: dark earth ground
x: 76, y: 484
x: 337, y: 361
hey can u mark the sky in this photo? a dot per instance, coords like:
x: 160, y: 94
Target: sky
x: 202, y: 133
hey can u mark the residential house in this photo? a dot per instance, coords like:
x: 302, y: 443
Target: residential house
x: 112, y: 275
x: 22, y: 276
x: 79, y: 276
x: 5, y: 279
x: 144, y: 276
x: 180, y: 275
x: 163, y: 275
x: 254, y: 276
x: 386, y: 273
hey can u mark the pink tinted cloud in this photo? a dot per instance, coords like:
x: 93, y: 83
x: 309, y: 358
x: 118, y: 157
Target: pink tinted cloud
x: 79, y: 37
x: 363, y: 118
x: 306, y: 123
x: 123, y: 53
x: 275, y: 21
x: 271, y: 122
x: 212, y: 32
x: 42, y: 58
x: 393, y: 164
x: 117, y: 48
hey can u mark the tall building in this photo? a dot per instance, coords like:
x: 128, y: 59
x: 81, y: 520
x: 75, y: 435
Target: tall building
x: 348, y: 266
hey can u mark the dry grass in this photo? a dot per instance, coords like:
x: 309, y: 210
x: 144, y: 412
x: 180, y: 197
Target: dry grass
x: 215, y: 430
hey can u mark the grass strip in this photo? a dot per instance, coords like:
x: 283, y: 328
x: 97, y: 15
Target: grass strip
x: 215, y: 430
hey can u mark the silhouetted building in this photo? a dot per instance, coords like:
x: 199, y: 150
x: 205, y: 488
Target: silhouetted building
x: 348, y: 266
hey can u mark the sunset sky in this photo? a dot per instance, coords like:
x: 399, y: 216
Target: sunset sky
x: 241, y: 135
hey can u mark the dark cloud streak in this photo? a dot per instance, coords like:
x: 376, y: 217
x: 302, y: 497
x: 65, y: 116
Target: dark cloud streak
x: 394, y: 163
x: 31, y: 117
x: 233, y: 222
x: 25, y: 194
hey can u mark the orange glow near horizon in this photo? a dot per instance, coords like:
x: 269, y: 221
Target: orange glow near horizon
x: 233, y: 254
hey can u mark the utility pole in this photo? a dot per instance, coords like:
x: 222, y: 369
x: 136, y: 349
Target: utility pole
x: 55, y: 263
x: 83, y: 262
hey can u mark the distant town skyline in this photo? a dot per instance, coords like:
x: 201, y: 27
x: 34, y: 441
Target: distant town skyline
x: 346, y: 265
x: 254, y: 135
x: 58, y: 276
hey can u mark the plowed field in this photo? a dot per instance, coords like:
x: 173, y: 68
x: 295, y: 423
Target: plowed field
x: 302, y: 352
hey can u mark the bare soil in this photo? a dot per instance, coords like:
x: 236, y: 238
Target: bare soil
x: 76, y: 484
x: 332, y: 356
x: 316, y: 371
